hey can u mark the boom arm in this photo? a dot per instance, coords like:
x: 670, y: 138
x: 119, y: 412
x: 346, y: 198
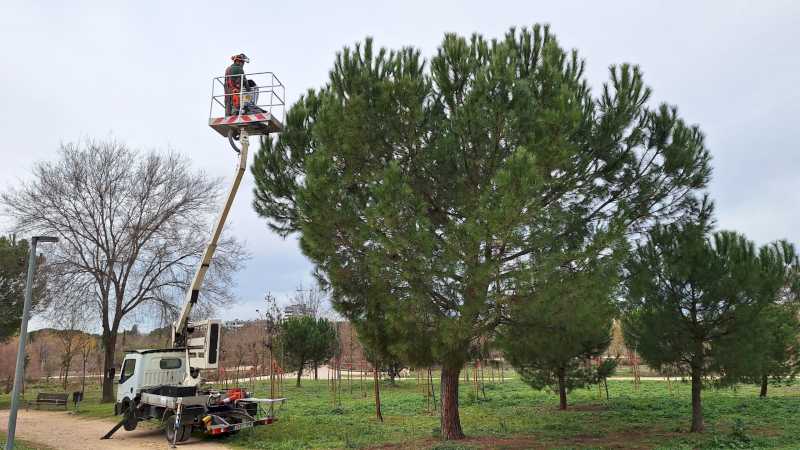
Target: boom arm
x: 180, y: 329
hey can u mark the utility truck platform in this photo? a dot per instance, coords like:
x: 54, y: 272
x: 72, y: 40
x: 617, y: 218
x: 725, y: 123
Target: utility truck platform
x: 257, y: 108
x: 258, y: 123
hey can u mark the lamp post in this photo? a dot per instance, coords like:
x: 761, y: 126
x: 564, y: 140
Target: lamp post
x: 23, y: 337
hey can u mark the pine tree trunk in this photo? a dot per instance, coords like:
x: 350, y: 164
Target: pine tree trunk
x: 109, y: 345
x: 315, y: 372
x: 562, y: 390
x: 450, y: 421
x: 697, y: 406
x: 763, y: 392
x: 299, y: 374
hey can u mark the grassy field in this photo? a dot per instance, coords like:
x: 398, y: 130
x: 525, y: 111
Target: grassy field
x: 515, y: 416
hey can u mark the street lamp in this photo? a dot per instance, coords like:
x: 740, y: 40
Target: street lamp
x: 23, y: 337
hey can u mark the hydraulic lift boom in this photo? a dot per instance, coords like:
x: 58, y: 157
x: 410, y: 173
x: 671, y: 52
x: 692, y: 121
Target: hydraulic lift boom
x: 182, y: 328
x: 260, y: 107
x: 166, y: 384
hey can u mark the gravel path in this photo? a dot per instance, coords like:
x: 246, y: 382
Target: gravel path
x: 61, y: 430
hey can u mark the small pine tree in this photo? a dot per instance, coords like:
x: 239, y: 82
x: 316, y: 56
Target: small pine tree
x: 688, y: 292
x: 551, y: 338
x: 306, y: 340
x: 771, y: 344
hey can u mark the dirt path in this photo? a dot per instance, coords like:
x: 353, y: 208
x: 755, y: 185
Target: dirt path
x: 60, y: 430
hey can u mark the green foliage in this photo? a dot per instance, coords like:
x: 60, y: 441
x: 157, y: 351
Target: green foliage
x: 307, y: 340
x: 691, y: 295
x: 550, y: 338
x: 771, y: 343
x: 605, y: 369
x: 770, y: 347
x: 441, y: 190
x: 689, y: 292
x: 13, y: 272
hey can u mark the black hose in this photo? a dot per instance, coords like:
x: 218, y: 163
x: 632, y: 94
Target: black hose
x: 232, y: 136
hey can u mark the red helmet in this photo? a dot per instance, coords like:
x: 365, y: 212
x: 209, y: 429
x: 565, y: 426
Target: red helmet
x: 240, y: 57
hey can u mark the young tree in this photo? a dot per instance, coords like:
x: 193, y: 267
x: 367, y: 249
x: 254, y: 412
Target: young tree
x: 68, y: 338
x: 550, y: 338
x: 771, y: 344
x: 68, y: 324
x: 307, y: 340
x: 131, y: 226
x: 87, y: 346
x: 688, y: 292
x: 441, y: 188
x: 311, y: 300
x: 13, y: 270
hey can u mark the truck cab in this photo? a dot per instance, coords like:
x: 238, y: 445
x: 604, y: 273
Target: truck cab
x: 142, y: 369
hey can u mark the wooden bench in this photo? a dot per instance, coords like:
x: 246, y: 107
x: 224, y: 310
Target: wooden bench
x: 44, y: 398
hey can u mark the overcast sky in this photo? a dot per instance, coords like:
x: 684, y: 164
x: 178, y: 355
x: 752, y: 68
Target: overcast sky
x: 141, y: 72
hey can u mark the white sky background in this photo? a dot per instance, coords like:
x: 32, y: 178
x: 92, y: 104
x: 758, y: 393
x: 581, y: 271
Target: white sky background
x: 140, y: 72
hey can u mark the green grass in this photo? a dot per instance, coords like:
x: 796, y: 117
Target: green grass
x: 90, y: 407
x: 22, y: 445
x: 515, y: 416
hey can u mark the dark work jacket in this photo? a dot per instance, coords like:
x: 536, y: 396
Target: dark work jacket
x: 234, y: 81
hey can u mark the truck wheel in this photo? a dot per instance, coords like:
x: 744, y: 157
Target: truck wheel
x: 184, y: 431
x: 129, y: 411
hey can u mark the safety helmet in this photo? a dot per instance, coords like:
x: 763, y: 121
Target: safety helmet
x: 241, y: 57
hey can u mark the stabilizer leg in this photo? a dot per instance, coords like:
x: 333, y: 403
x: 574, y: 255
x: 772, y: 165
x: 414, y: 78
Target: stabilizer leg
x: 114, y: 430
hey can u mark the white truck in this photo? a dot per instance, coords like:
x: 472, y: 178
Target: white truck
x: 166, y: 384
x: 153, y: 384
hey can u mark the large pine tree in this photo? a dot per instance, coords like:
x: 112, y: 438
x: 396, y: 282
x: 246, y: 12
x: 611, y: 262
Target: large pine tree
x: 443, y: 188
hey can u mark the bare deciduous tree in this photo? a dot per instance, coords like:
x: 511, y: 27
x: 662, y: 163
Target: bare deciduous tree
x: 131, y: 225
x: 312, y: 301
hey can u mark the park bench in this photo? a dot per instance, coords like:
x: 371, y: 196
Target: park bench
x: 44, y: 398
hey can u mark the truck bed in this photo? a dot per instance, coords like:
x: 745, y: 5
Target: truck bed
x: 170, y: 402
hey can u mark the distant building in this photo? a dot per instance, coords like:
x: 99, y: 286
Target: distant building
x: 297, y: 310
x: 233, y: 324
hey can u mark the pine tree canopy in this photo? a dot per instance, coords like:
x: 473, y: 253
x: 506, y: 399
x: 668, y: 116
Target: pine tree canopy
x: 307, y: 340
x: 446, y: 188
x: 690, y: 293
x: 768, y: 349
x: 693, y: 296
x: 550, y: 336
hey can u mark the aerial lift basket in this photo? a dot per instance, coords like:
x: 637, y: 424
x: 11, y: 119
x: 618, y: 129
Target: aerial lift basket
x: 261, y: 106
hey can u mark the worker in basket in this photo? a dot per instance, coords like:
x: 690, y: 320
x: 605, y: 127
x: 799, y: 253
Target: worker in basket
x: 234, y: 79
